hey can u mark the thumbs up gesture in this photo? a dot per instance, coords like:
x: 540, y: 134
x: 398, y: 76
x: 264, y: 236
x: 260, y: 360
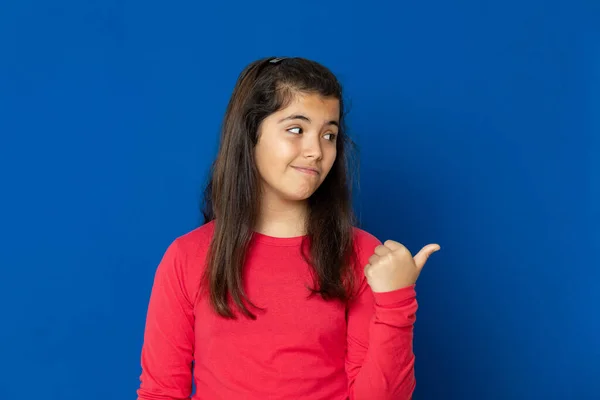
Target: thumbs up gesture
x: 393, y: 267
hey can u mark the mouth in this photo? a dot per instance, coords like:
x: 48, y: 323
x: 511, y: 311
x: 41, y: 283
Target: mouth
x: 309, y: 171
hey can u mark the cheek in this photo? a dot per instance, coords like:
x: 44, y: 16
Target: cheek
x: 272, y: 156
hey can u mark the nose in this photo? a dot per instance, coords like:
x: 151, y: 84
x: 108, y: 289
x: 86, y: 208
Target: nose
x: 312, y: 147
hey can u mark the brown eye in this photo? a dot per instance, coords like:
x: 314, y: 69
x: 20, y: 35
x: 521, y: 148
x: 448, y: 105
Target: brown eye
x: 296, y: 133
x: 330, y: 136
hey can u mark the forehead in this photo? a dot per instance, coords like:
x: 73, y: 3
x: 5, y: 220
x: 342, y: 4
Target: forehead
x: 314, y: 106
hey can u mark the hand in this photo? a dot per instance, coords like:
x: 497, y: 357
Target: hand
x: 392, y: 267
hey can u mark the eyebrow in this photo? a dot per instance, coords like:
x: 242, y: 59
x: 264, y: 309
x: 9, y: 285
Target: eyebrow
x: 305, y: 118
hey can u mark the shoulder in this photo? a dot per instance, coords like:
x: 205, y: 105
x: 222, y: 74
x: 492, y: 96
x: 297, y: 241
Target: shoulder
x: 191, y: 248
x: 194, y: 242
x: 364, y: 245
x: 365, y: 241
x: 185, y: 258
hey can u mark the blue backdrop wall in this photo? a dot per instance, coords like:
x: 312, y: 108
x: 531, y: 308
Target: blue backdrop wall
x: 479, y: 127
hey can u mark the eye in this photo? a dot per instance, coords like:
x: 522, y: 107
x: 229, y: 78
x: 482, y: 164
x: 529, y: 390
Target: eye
x: 297, y: 133
x: 330, y: 136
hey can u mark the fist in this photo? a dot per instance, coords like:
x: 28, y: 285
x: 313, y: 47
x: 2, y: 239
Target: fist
x: 392, y: 267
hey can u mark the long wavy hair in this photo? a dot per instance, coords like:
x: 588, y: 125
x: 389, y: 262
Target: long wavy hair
x: 232, y: 194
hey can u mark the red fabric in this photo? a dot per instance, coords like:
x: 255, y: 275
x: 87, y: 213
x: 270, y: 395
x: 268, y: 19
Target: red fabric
x: 297, y: 348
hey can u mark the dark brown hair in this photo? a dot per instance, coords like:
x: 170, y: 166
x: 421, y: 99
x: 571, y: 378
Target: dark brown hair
x: 232, y: 195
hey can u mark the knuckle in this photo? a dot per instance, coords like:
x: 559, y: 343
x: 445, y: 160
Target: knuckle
x: 404, y: 251
x: 390, y: 244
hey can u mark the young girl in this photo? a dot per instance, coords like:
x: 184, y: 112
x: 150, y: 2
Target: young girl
x: 279, y: 295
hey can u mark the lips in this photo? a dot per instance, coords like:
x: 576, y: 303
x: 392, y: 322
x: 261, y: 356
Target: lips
x: 309, y: 171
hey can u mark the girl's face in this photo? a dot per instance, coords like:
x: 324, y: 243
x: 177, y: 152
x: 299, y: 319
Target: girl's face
x: 297, y: 147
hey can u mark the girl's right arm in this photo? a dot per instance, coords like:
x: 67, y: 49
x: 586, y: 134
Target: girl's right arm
x: 168, y: 349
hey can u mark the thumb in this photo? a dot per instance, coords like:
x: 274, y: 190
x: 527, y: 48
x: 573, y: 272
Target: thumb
x: 422, y: 256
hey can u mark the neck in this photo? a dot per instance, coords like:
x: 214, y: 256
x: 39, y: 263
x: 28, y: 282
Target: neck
x: 279, y: 218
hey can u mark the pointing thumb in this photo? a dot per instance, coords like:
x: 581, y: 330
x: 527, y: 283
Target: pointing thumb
x: 421, y: 257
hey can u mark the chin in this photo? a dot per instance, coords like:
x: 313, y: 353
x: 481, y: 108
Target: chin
x: 293, y: 193
x: 292, y: 197
x: 298, y: 196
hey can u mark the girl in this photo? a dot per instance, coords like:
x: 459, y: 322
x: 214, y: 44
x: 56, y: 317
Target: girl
x: 279, y: 295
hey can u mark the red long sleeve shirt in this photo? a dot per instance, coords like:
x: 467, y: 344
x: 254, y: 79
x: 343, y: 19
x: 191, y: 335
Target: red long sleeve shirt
x: 297, y: 348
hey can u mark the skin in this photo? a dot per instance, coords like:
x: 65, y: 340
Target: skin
x: 295, y: 152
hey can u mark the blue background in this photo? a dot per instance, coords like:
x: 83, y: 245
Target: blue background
x: 479, y: 127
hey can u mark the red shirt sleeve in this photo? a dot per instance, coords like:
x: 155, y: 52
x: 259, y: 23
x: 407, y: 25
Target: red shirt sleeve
x: 380, y: 359
x: 168, y: 349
